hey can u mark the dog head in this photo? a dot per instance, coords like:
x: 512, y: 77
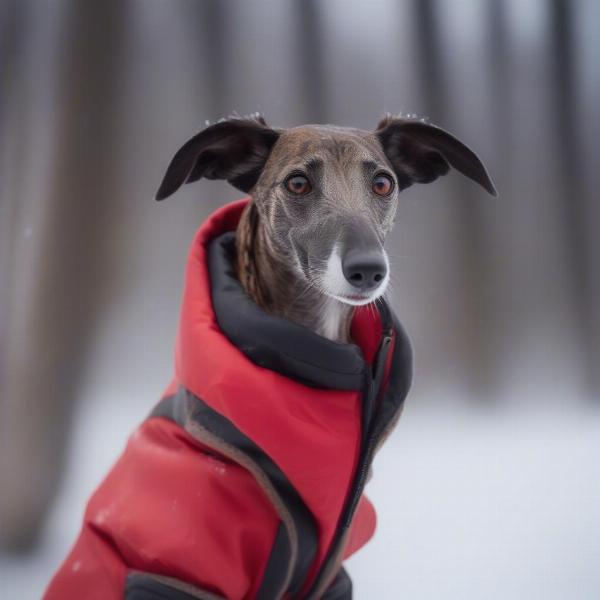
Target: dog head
x: 326, y: 195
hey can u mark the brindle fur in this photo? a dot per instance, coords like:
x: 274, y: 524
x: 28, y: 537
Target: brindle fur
x: 266, y: 268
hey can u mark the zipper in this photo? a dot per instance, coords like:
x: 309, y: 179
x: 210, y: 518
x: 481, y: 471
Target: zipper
x: 369, y: 439
x: 369, y: 446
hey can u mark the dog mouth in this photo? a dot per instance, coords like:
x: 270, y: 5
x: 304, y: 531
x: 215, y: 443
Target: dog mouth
x: 355, y: 297
x: 358, y: 299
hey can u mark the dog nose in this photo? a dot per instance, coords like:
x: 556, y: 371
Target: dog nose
x: 364, y: 270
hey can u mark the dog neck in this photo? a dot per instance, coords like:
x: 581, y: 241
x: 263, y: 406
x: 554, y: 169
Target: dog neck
x: 275, y: 285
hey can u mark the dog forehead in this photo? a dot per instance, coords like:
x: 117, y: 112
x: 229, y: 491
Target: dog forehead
x: 328, y: 142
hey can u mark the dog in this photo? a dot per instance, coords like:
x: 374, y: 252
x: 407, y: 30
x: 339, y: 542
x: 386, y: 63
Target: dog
x: 246, y: 480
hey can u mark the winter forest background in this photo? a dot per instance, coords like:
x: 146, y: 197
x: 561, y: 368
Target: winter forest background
x: 489, y: 487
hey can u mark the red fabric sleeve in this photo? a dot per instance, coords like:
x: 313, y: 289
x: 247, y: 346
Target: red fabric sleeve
x: 168, y: 507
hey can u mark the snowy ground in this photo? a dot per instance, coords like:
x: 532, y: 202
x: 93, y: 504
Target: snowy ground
x: 471, y: 505
x: 486, y: 507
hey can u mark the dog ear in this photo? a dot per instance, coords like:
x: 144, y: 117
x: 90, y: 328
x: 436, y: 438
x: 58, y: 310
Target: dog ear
x: 235, y: 149
x: 420, y: 153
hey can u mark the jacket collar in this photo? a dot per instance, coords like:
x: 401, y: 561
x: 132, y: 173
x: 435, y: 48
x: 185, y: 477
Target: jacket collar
x: 269, y: 341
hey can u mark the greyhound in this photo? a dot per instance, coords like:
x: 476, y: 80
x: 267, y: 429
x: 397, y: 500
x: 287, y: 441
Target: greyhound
x: 247, y: 478
x: 310, y: 244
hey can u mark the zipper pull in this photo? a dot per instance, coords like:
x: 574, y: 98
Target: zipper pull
x: 375, y: 380
x: 379, y: 366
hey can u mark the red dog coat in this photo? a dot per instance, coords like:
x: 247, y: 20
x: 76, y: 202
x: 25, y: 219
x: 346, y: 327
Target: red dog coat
x: 246, y: 479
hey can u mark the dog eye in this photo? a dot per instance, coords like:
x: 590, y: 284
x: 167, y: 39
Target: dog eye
x: 297, y: 185
x: 382, y: 184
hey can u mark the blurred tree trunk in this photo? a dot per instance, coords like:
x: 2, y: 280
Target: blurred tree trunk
x: 580, y: 254
x: 59, y: 284
x: 467, y: 301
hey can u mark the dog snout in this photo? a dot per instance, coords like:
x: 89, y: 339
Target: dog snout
x: 364, y: 270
